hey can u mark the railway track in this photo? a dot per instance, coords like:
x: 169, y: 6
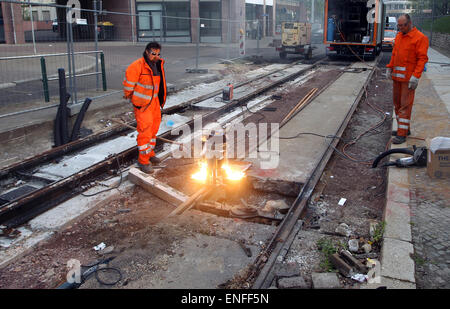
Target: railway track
x: 22, y: 209
x: 27, y: 191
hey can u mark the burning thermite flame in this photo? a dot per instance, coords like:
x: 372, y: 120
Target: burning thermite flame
x: 230, y: 173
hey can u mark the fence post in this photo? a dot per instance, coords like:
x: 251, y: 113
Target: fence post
x: 45, y: 80
x: 96, y: 42
x: 102, y: 60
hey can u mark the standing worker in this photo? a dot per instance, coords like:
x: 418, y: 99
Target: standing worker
x: 145, y: 86
x: 409, y: 57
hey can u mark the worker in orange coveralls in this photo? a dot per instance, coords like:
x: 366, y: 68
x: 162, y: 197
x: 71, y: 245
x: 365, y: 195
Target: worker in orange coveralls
x: 145, y: 86
x: 409, y: 57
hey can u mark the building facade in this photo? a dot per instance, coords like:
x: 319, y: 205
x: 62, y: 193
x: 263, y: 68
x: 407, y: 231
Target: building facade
x: 148, y: 20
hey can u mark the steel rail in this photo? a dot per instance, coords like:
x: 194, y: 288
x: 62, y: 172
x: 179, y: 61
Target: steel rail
x: 32, y: 204
x: 283, y: 236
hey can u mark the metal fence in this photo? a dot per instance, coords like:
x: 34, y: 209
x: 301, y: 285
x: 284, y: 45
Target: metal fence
x: 95, y: 46
x: 432, y: 17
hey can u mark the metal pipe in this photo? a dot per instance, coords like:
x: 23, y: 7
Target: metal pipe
x: 13, y: 24
x: 48, y: 55
x: 102, y: 59
x: 45, y: 80
x: 95, y: 2
x: 74, y: 70
x: 32, y: 29
x: 68, y: 10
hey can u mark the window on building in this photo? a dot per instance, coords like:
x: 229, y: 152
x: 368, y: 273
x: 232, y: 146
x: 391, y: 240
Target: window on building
x: 35, y: 15
x: 177, y: 21
x: 45, y: 15
x: 210, y: 15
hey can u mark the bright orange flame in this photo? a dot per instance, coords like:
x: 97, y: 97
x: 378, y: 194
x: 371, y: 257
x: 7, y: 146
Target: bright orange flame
x: 202, y: 174
x: 233, y: 174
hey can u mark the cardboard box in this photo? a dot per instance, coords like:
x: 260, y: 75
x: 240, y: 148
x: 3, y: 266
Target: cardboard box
x: 438, y: 157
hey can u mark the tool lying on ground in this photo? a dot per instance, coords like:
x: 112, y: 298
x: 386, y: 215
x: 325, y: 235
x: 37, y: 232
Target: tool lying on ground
x: 94, y: 268
x: 227, y: 93
x: 165, y: 140
x: 418, y: 158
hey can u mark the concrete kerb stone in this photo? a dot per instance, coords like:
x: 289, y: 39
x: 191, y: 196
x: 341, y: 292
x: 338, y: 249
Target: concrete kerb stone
x: 397, y: 266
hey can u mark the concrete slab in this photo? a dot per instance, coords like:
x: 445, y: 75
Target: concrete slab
x: 65, y: 213
x: 202, y: 262
x: 398, y: 218
x: 72, y: 164
x: 299, y: 156
x: 325, y: 281
x: 439, y: 75
x: 396, y: 262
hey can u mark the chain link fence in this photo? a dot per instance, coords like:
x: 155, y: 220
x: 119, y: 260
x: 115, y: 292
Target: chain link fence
x: 96, y: 43
x: 432, y: 17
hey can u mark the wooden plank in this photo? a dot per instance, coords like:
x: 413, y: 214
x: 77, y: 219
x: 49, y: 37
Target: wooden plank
x: 190, y: 201
x: 156, y: 187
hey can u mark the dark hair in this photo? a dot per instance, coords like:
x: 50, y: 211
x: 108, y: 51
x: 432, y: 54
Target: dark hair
x: 154, y: 45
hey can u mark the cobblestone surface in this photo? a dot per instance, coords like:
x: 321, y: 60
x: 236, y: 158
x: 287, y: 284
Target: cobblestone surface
x: 430, y: 228
x: 430, y: 198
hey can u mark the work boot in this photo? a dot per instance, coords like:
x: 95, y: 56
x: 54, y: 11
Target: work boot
x: 146, y: 168
x: 394, y: 133
x: 399, y: 140
x: 155, y: 160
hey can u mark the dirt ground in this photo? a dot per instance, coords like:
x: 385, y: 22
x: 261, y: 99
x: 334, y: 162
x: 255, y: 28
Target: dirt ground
x: 130, y: 224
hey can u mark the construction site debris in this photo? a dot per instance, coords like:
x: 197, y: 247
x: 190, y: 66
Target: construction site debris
x: 100, y: 246
x: 325, y: 281
x: 360, y: 277
x: 344, y: 230
x: 292, y: 283
x: 353, y: 245
x: 276, y: 205
x: 367, y: 248
x: 345, y: 269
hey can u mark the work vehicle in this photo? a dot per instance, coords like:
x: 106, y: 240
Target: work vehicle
x: 354, y: 27
x: 295, y: 39
x: 389, y: 39
x: 391, y: 23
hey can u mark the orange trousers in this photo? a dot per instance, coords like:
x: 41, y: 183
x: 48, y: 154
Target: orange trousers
x: 148, y: 122
x: 403, y: 103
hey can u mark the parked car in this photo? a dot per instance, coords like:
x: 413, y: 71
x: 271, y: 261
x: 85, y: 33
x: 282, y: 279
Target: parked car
x: 389, y: 39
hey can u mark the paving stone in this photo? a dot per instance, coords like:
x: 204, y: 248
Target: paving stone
x: 325, y: 281
x: 292, y: 283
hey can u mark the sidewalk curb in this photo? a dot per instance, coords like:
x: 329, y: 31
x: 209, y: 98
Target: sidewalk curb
x: 397, y: 265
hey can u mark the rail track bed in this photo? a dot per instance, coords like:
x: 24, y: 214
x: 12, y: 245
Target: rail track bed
x: 204, y: 247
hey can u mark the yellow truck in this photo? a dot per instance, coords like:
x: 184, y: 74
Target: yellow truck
x: 295, y: 39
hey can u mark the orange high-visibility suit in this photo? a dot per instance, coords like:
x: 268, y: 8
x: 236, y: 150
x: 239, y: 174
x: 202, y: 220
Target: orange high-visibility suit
x: 409, y: 57
x: 148, y: 95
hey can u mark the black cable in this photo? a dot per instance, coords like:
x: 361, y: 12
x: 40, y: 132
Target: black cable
x: 94, y: 268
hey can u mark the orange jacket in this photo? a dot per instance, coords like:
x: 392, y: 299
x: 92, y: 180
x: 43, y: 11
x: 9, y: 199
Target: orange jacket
x: 409, y: 55
x: 139, y: 84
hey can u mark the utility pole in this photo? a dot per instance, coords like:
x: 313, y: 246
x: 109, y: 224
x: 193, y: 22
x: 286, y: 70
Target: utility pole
x: 312, y: 11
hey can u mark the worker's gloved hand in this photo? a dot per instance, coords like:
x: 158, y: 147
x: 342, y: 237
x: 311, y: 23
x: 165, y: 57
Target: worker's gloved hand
x: 413, y: 82
x: 389, y: 73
